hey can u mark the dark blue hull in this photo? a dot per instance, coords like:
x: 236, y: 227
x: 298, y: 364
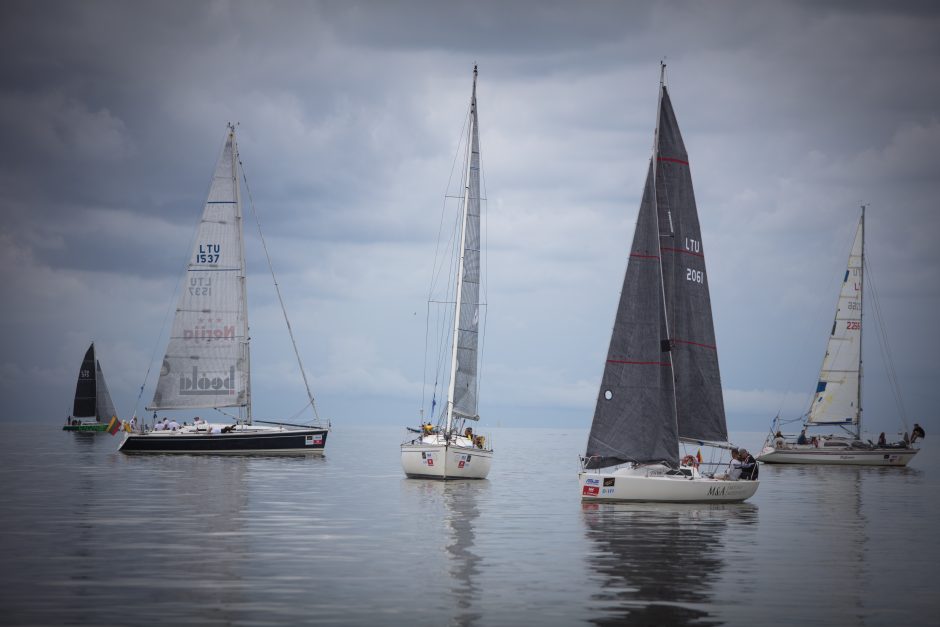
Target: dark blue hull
x: 286, y: 441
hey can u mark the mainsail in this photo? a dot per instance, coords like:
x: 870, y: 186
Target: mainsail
x: 661, y: 380
x: 206, y: 362
x: 466, y: 336
x: 85, y: 405
x: 837, y: 392
x: 700, y: 406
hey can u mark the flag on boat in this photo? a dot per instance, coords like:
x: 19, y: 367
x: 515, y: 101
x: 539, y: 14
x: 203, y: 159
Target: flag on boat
x: 114, y: 426
x: 698, y: 456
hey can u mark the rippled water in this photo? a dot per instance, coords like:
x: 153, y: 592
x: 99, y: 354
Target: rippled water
x: 91, y: 536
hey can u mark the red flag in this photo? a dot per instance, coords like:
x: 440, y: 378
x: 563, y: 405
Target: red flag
x: 699, y: 456
x: 114, y: 426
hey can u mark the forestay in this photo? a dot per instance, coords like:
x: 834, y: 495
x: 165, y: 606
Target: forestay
x: 206, y: 362
x: 837, y: 392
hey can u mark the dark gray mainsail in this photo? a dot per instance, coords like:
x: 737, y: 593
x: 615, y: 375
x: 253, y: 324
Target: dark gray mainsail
x: 661, y: 380
x: 104, y: 405
x: 468, y: 299
x: 699, y: 403
x: 86, y: 388
x: 634, y: 420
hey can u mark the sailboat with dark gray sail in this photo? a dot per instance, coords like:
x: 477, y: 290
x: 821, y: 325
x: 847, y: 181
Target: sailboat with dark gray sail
x: 207, y: 364
x: 92, y: 408
x: 661, y: 387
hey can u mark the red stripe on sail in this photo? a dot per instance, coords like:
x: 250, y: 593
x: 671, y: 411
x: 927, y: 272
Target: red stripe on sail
x: 714, y: 348
x: 639, y: 256
x: 638, y: 363
x: 672, y: 160
x: 687, y: 252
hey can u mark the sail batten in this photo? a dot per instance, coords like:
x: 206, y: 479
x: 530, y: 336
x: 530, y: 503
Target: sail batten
x: 206, y: 360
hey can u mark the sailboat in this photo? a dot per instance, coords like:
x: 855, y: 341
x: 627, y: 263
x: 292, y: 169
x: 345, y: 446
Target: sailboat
x: 661, y: 385
x: 450, y: 450
x: 92, y: 409
x: 837, y: 401
x: 207, y: 360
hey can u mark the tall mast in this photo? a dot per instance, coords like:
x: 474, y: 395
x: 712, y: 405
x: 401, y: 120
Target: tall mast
x: 243, y: 278
x: 662, y: 282
x: 463, y: 235
x: 861, y: 328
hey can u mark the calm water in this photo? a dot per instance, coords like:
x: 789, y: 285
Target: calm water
x: 91, y: 536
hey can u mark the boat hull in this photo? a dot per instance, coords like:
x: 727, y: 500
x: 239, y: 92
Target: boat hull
x: 267, y: 442
x: 841, y: 457
x: 660, y: 488
x: 96, y: 427
x: 445, y: 461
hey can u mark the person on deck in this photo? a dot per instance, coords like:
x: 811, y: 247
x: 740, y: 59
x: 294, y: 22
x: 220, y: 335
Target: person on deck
x: 734, y: 466
x: 173, y: 425
x: 917, y: 433
x: 882, y: 441
x: 779, y: 441
x: 749, y: 467
x: 802, y: 438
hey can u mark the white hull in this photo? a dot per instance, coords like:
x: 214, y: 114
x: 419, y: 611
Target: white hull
x: 844, y: 457
x: 431, y: 458
x: 650, y: 484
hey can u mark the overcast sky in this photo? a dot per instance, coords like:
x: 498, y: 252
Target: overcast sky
x: 112, y: 115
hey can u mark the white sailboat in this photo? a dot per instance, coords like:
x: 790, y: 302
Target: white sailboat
x: 92, y: 409
x: 661, y: 384
x: 837, y: 401
x: 207, y: 362
x: 450, y: 449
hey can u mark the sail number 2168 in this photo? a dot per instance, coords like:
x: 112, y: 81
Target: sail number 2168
x: 696, y: 276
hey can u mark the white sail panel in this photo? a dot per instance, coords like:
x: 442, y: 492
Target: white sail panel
x: 206, y: 362
x: 836, y: 398
x: 467, y: 337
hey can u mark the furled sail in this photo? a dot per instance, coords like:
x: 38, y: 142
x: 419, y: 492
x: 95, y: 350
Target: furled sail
x: 836, y: 398
x: 85, y: 390
x: 699, y: 402
x: 104, y: 406
x: 468, y: 306
x: 206, y: 362
x: 634, y: 419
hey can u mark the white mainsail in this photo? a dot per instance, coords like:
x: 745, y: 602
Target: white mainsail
x: 206, y: 362
x: 837, y: 394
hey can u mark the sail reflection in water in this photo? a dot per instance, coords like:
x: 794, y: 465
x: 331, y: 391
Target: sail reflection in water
x: 460, y: 501
x: 659, y: 565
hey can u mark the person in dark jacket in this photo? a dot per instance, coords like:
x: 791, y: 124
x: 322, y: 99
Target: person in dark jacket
x: 917, y: 433
x: 749, y: 467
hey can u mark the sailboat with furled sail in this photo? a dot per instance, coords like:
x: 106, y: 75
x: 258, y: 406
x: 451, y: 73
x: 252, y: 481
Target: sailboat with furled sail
x: 450, y: 449
x: 207, y: 362
x: 837, y: 401
x: 661, y: 385
x: 92, y: 409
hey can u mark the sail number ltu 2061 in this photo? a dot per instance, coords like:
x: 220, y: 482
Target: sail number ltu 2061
x: 696, y: 276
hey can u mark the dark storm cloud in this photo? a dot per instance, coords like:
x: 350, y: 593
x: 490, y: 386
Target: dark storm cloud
x: 112, y: 115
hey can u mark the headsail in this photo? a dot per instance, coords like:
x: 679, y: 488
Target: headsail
x: 699, y: 402
x: 85, y: 390
x: 634, y: 419
x: 466, y: 336
x: 104, y: 406
x: 836, y: 398
x: 206, y: 362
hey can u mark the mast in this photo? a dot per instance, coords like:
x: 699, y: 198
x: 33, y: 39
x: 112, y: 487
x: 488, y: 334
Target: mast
x: 242, y: 279
x: 861, y: 328
x: 662, y: 281
x: 463, y: 235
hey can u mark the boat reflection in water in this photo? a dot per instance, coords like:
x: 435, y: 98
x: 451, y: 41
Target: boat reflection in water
x: 460, y: 500
x: 658, y: 565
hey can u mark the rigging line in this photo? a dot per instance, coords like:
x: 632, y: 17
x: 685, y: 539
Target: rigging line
x: 885, y: 346
x: 277, y: 288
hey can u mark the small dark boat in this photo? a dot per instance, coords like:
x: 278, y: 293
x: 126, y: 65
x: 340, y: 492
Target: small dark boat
x: 92, y: 409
